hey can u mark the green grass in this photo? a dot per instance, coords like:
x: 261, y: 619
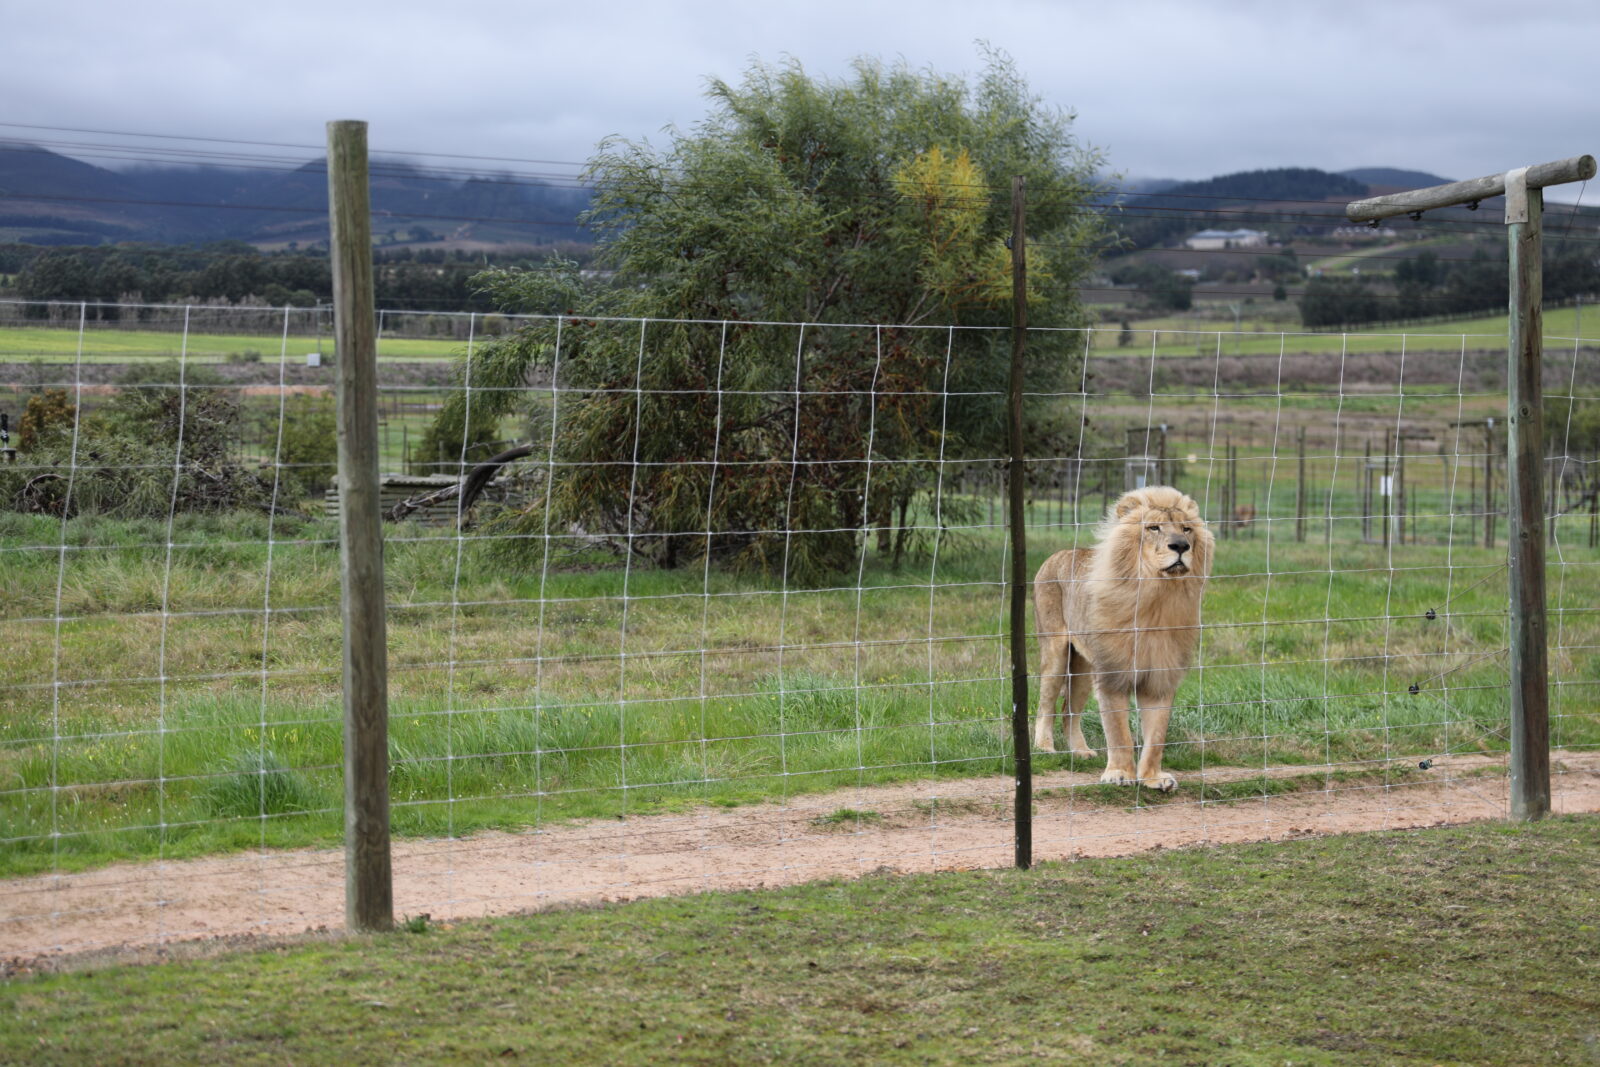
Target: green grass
x: 1470, y: 945
x: 518, y: 707
x: 516, y: 702
x: 1175, y: 335
x: 1171, y: 335
x: 112, y: 343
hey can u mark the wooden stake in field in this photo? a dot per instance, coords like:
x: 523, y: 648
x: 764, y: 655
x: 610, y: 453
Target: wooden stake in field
x: 369, y: 887
x: 1523, y: 189
x: 1300, y: 490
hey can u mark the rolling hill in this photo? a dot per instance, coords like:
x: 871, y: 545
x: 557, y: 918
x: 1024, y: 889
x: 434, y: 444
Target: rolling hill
x: 49, y: 198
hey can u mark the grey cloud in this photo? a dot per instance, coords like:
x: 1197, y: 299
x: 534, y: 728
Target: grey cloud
x: 1171, y: 89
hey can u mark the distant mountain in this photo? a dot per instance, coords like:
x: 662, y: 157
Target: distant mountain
x: 1138, y: 186
x: 1280, y: 198
x: 48, y: 198
x: 1394, y: 177
x: 1280, y: 183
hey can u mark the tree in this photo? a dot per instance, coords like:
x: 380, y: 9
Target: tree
x: 1421, y: 269
x: 880, y: 199
x: 1335, y: 301
x: 1159, y: 288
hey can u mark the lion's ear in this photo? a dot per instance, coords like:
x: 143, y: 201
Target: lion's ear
x: 1128, y: 502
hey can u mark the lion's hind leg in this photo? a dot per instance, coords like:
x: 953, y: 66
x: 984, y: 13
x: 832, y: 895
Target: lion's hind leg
x: 1053, y: 657
x: 1079, y: 687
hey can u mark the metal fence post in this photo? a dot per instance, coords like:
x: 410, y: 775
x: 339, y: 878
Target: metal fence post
x: 369, y: 889
x: 1021, y: 742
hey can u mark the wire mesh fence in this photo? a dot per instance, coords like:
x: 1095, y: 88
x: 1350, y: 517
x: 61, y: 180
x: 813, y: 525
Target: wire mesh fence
x: 697, y: 603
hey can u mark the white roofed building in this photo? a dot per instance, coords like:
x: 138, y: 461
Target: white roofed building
x: 1207, y: 240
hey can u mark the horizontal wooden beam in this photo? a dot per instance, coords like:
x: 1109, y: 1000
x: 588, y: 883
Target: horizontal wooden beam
x: 1576, y: 169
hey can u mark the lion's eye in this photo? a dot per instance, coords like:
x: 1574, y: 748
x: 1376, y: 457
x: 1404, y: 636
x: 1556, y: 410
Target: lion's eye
x: 1153, y: 529
x: 1187, y: 530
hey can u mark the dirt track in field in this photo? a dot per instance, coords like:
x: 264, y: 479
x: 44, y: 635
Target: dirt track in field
x: 924, y: 826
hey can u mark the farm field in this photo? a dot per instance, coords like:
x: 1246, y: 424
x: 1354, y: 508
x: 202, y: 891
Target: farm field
x: 1454, y: 946
x: 1205, y: 336
x: 113, y: 343
x: 1199, y: 334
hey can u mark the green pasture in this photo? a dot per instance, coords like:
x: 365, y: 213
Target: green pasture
x: 1466, y: 945
x: 1205, y: 336
x: 1386, y: 253
x: 170, y: 693
x: 112, y: 343
x: 1196, y: 334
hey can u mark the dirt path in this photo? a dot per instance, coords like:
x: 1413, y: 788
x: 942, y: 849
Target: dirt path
x: 950, y: 825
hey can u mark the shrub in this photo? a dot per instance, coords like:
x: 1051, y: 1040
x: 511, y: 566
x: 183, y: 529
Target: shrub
x: 308, y: 446
x: 165, y: 442
x: 48, y: 417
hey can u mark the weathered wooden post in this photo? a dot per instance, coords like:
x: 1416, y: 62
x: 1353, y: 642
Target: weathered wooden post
x: 1488, y: 483
x: 1225, y: 528
x: 1530, y: 692
x: 1299, y: 491
x: 1364, y: 488
x: 1021, y: 742
x: 369, y: 889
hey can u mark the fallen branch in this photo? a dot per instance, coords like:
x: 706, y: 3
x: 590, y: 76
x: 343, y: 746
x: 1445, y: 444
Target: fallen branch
x: 468, y: 489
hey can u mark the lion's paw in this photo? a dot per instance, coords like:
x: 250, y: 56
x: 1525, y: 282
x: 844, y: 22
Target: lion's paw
x: 1044, y: 743
x: 1084, y: 753
x: 1116, y: 776
x: 1165, y: 782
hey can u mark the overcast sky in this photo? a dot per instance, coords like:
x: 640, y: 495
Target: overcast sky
x: 1167, y: 89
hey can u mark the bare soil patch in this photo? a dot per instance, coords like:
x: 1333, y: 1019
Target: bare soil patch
x: 922, y: 826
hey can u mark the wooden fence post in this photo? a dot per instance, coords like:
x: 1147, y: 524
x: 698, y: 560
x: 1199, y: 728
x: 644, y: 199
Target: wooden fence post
x: 369, y: 888
x: 1299, y: 492
x: 1523, y: 188
x: 1530, y: 692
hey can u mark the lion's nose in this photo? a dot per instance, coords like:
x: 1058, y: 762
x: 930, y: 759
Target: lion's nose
x: 1179, y: 545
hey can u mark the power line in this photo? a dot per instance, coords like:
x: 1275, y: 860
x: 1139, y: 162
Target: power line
x: 279, y: 144
x: 992, y: 194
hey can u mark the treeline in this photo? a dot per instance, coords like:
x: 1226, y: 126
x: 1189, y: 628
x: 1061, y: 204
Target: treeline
x: 425, y: 278
x: 1425, y: 286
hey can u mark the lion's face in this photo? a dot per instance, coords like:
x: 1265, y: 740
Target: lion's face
x: 1166, y: 542
x: 1173, y: 541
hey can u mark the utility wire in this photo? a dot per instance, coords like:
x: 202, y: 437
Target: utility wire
x: 990, y: 194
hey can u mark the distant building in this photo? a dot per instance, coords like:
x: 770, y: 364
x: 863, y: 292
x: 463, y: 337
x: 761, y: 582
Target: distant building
x: 1207, y: 240
x: 1362, y: 233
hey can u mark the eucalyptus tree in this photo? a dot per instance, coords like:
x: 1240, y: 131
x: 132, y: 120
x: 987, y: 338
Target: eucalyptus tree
x: 802, y: 313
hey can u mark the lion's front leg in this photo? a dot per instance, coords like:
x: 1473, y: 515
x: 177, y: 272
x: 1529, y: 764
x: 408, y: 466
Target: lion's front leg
x: 1119, y: 739
x: 1154, y: 714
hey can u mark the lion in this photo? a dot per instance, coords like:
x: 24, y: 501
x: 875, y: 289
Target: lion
x: 1123, y: 617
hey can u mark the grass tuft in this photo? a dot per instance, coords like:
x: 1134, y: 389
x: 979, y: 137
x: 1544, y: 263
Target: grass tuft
x: 257, y: 782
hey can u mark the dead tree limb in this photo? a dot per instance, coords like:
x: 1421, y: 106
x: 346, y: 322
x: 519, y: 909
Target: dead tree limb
x: 466, y: 491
